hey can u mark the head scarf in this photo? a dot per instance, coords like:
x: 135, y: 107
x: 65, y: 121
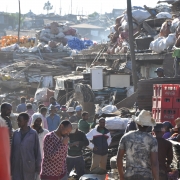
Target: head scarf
x: 36, y: 116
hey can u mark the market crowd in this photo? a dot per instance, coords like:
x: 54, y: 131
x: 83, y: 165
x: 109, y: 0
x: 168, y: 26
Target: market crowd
x: 49, y: 143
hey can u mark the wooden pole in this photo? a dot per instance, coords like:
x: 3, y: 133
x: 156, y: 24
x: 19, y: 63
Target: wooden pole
x: 131, y: 42
x: 19, y: 21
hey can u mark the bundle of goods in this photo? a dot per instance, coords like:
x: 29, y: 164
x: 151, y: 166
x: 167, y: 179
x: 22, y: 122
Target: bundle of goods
x: 113, y: 123
x: 24, y: 41
x: 166, y: 102
x: 119, y: 36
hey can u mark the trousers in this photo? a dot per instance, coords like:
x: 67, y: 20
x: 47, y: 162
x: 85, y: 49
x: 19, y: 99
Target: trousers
x: 137, y: 177
x: 99, y: 161
x: 77, y: 163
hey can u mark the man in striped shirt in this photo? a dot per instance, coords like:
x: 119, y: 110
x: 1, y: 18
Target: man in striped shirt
x: 55, y: 152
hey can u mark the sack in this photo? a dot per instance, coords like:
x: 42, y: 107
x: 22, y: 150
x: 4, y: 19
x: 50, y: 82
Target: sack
x: 71, y: 32
x: 140, y: 15
x: 52, y: 44
x: 113, y: 123
x: 43, y: 94
x: 164, y: 15
x: 162, y: 43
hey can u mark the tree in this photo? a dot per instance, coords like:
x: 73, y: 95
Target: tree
x: 48, y: 7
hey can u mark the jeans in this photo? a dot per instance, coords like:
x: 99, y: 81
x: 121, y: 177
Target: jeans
x: 77, y: 163
x: 137, y: 177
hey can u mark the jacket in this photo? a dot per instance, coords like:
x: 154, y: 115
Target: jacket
x: 83, y: 141
x: 101, y: 141
x: 25, y: 155
x: 84, y: 126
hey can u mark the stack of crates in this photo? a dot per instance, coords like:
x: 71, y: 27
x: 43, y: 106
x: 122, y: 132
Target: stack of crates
x: 166, y: 102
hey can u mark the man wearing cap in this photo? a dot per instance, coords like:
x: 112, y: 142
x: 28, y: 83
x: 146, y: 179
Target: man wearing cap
x: 78, y: 112
x: 160, y: 72
x: 141, y: 151
x: 63, y: 113
x: 100, y: 139
x: 165, y: 152
x: 72, y: 117
x: 77, y: 140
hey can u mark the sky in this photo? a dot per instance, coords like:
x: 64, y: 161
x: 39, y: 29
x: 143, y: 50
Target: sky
x: 78, y: 6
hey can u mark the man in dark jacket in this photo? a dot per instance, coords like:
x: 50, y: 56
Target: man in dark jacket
x: 100, y: 140
x: 77, y: 141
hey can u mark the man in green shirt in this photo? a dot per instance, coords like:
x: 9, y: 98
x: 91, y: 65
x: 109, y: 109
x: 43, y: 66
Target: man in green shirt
x: 83, y: 125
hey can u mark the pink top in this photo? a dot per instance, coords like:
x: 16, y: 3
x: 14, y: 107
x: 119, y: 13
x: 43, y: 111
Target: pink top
x: 54, y: 159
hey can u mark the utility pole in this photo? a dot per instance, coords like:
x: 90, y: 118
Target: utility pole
x: 60, y: 8
x: 19, y: 20
x: 71, y: 6
x: 131, y: 41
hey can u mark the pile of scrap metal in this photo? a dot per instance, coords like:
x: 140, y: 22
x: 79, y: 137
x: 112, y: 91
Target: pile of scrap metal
x: 155, y: 29
x: 29, y: 74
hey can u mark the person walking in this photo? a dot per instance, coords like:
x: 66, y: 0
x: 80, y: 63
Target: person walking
x: 100, y: 139
x: 43, y: 112
x: 53, y: 120
x: 36, y: 124
x: 165, y: 152
x: 29, y: 111
x: 55, y: 153
x: 77, y: 140
x: 6, y: 109
x: 141, y: 151
x: 25, y: 153
x: 22, y: 106
x: 83, y: 125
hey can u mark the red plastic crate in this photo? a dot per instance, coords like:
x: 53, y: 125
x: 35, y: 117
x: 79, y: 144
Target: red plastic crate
x: 176, y: 102
x: 169, y: 90
x: 154, y: 113
x: 154, y: 102
x: 167, y: 115
x: 155, y: 89
x: 164, y: 102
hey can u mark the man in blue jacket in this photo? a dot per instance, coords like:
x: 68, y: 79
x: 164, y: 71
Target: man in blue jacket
x: 100, y: 140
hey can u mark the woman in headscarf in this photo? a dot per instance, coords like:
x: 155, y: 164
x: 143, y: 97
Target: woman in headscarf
x: 36, y: 124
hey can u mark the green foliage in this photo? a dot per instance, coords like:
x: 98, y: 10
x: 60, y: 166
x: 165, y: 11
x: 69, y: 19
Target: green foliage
x: 48, y: 7
x: 14, y: 18
x: 93, y: 15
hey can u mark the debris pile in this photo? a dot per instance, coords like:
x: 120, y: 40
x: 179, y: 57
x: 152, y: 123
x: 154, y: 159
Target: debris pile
x: 155, y: 29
